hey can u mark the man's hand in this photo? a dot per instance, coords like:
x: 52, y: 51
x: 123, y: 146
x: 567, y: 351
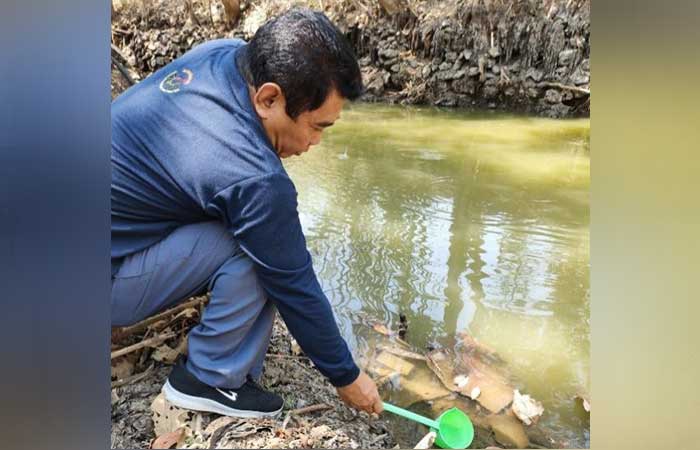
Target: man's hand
x: 362, y: 394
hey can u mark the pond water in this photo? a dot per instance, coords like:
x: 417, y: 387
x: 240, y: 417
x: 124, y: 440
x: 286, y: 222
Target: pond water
x: 461, y: 221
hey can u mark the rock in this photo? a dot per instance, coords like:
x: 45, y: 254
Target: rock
x: 496, y: 69
x: 388, y: 53
x: 557, y: 111
x: 445, y: 75
x: 561, y: 72
x: 389, y: 62
x: 533, y: 92
x: 395, y: 68
x: 451, y: 56
x: 467, y: 55
x: 534, y: 74
x: 494, y: 52
x: 490, y: 91
x: 457, y: 65
x: 445, y: 66
x: 465, y: 86
x: 426, y: 71
x: 473, y: 71
x: 586, y: 65
x: 579, y: 77
x: 552, y: 96
x: 364, y: 61
x: 508, y: 431
x: 449, y: 100
x: 566, y: 57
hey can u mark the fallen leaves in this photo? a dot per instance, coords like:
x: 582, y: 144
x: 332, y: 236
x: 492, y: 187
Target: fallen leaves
x: 168, y: 440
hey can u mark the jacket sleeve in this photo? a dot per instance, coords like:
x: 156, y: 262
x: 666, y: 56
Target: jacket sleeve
x: 262, y: 215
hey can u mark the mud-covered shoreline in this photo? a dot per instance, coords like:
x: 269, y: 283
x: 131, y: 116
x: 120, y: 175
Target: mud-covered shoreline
x: 522, y: 56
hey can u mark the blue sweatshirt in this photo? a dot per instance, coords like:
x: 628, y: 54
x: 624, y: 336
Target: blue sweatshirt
x: 187, y: 146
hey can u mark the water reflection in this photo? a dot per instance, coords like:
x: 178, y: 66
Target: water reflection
x: 462, y: 223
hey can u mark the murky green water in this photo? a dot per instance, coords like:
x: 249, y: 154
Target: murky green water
x: 462, y: 222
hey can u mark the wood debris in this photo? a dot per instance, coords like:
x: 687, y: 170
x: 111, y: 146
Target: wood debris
x: 494, y: 392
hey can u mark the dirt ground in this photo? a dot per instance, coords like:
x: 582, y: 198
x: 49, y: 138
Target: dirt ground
x: 291, y: 376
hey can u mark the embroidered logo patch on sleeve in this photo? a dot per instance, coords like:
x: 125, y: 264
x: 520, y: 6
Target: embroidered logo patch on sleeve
x: 175, y: 80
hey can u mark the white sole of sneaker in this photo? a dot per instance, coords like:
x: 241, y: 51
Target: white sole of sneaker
x: 185, y: 401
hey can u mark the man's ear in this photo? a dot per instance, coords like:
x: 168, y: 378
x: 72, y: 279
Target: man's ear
x: 269, y: 100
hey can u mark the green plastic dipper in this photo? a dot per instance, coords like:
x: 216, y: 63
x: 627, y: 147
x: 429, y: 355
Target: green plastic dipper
x: 453, y: 427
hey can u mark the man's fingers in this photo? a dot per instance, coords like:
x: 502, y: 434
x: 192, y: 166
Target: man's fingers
x: 378, y: 407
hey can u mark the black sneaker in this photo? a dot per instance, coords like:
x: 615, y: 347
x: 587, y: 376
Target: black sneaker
x: 250, y: 400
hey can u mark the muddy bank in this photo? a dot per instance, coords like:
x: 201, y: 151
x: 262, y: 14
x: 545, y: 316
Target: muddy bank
x: 313, y: 414
x: 522, y: 55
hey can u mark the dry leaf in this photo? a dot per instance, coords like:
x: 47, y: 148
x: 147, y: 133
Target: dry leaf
x: 295, y: 347
x: 188, y: 313
x: 219, y: 423
x: 526, y: 408
x: 122, y: 367
x: 166, y: 417
x: 168, y: 440
x: 165, y: 354
x: 585, y: 401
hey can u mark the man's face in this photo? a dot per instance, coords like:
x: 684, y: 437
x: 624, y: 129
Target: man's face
x: 294, y: 137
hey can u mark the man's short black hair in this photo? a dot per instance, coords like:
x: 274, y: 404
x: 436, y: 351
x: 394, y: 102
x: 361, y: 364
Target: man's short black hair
x: 306, y: 55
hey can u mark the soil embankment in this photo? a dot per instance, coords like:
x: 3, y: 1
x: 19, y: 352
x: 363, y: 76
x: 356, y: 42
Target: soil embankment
x: 527, y: 56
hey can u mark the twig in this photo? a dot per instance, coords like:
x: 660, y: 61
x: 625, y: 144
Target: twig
x: 309, y: 409
x: 286, y: 420
x: 133, y: 378
x: 121, y: 333
x: 275, y: 355
x: 565, y: 87
x: 122, y: 70
x: 145, y: 343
